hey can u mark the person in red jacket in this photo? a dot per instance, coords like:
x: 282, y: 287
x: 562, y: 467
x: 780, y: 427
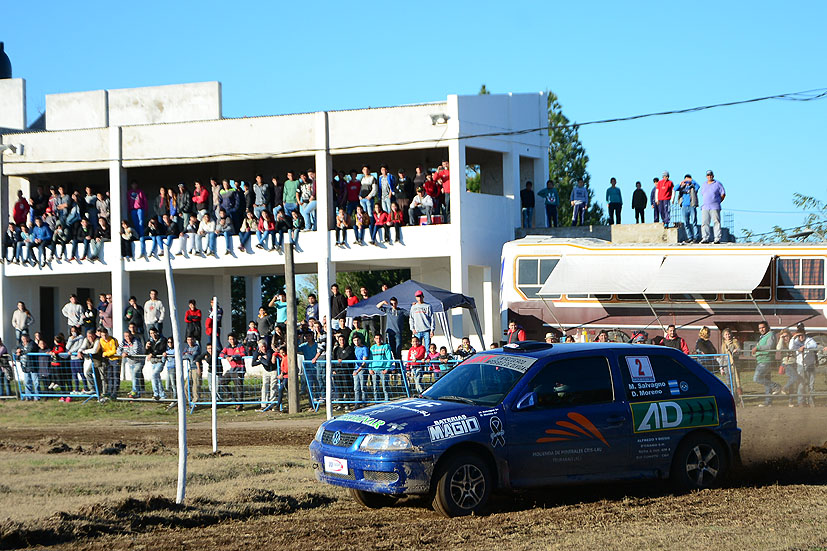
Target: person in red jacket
x: 234, y: 353
x: 664, y: 187
x: 59, y: 367
x: 201, y: 200
x: 380, y: 220
x: 416, y: 358
x: 280, y: 358
x: 515, y: 332
x: 672, y: 340
x: 432, y: 189
x: 192, y: 320
x: 395, y: 221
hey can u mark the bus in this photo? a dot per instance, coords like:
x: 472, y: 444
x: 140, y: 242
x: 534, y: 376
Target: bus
x: 572, y: 286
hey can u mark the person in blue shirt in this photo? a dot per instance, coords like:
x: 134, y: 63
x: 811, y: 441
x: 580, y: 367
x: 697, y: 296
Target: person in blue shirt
x: 615, y: 201
x: 280, y: 303
x: 308, y: 350
x: 42, y: 239
x: 362, y: 356
x: 551, y: 200
x: 381, y: 363
x: 687, y: 195
x: 579, y: 201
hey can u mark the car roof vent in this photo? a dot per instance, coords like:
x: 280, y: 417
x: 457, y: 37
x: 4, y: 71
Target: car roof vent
x: 527, y: 346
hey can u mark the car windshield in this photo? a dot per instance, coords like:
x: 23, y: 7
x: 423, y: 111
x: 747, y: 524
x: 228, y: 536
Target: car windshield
x: 483, y: 379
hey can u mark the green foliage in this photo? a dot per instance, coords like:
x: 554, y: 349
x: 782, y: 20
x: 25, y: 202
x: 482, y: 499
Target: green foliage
x: 567, y: 162
x: 472, y: 178
x: 483, y: 91
x: 815, y: 221
x: 372, y: 280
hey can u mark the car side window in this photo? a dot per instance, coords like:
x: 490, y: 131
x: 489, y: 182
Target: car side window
x: 655, y: 377
x: 573, y: 382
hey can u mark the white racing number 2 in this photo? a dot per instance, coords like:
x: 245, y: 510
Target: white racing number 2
x: 640, y: 369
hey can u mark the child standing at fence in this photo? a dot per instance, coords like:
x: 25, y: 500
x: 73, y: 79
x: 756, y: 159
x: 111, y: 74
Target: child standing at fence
x: 416, y: 355
x: 362, y: 354
x: 168, y: 358
x: 381, y: 364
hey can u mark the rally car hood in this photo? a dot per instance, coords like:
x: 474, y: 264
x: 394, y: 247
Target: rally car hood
x: 409, y: 415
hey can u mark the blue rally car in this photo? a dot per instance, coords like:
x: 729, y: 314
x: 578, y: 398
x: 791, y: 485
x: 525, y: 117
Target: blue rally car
x: 535, y: 414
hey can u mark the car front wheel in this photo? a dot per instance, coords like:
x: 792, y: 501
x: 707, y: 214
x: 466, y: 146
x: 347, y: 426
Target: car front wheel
x: 463, y: 486
x: 699, y: 463
x: 372, y: 500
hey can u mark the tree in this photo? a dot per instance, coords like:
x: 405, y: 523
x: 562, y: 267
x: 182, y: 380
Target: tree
x: 372, y: 280
x: 815, y: 223
x: 567, y: 162
x: 483, y: 91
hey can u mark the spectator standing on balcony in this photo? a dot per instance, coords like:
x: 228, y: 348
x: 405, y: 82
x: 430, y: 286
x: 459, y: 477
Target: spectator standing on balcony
x: 186, y: 208
x: 653, y: 200
x: 421, y: 319
x: 160, y: 205
x: 394, y: 321
x: 527, y: 205
x: 104, y: 207
x: 515, y: 333
x: 136, y: 201
x: 21, y: 320
x: 39, y: 202
x: 20, y: 211
x: 368, y: 191
x: 443, y: 175
x: 764, y: 352
x: 353, y: 190
x: 192, y: 321
x: 90, y: 204
x: 307, y: 200
x: 639, y: 204
x: 713, y: 194
x: 404, y: 191
x: 134, y: 314
x: 579, y: 200
x: 665, y: 187
x: 261, y: 196
x: 290, y: 195
x: 387, y: 188
x: 432, y: 190
x: 551, y: 201
x: 422, y: 205
x: 687, y: 197
x: 154, y: 312
x: 805, y: 348
x: 128, y: 235
x: 73, y: 312
x: 615, y: 200
x: 102, y: 235
x: 277, y: 197
x: 200, y: 200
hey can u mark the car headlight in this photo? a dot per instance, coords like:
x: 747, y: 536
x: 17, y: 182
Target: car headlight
x: 385, y: 442
x: 319, y: 433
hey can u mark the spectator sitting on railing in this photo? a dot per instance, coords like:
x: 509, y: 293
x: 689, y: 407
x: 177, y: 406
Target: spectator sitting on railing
x: 421, y: 205
x: 206, y: 229
x: 24, y: 246
x: 31, y: 375
x: 10, y: 239
x: 703, y: 344
x: 224, y: 226
x: 362, y: 355
x: 380, y: 220
x: 342, y: 224
x: 102, y: 235
x: 173, y: 230
x: 42, y: 236
x: 416, y: 357
x: 672, y: 340
x: 465, y: 349
x: 249, y: 226
x: 361, y: 222
x: 234, y: 353
x: 128, y: 235
x: 395, y: 220
x: 381, y: 363
x: 282, y: 225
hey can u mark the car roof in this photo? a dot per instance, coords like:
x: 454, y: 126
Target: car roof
x: 536, y: 349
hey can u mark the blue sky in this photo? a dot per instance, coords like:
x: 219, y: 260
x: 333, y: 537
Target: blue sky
x: 603, y: 59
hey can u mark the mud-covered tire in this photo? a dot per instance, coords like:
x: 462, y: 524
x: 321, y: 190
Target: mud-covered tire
x: 372, y: 500
x: 463, y: 486
x: 700, y: 462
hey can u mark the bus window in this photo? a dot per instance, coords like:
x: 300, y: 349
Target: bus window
x: 532, y: 273
x: 800, y: 279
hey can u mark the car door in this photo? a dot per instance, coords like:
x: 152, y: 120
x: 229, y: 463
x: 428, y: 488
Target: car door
x: 576, y: 428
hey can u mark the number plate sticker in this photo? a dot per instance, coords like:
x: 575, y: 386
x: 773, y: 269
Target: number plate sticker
x: 335, y: 465
x: 640, y: 369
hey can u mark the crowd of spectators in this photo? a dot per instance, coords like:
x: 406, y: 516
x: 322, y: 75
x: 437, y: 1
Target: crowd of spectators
x: 688, y: 195
x: 64, y: 225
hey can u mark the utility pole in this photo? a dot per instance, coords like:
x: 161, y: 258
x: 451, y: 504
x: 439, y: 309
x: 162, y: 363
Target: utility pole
x: 292, y: 356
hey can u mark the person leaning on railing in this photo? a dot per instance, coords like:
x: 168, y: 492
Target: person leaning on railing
x: 234, y: 353
x: 190, y: 355
x: 416, y: 355
x: 92, y: 362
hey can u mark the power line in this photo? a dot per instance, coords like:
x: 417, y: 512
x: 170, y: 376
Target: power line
x: 806, y: 95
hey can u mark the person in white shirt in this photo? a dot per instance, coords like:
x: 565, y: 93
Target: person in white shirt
x: 805, y: 348
x: 422, y: 205
x: 73, y: 312
x: 154, y: 313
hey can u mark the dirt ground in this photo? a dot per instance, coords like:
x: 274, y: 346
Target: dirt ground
x: 94, y: 485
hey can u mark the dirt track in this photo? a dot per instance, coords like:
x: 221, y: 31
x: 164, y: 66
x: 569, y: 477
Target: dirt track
x: 777, y: 501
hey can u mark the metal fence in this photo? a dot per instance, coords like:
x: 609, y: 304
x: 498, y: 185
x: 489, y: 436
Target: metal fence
x: 779, y: 379
x: 42, y: 375
x: 246, y: 386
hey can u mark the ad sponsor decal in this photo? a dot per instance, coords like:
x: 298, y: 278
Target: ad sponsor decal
x: 451, y: 427
x: 335, y: 465
x: 578, y: 427
x: 497, y: 432
x: 362, y: 419
x: 680, y: 413
x: 507, y: 361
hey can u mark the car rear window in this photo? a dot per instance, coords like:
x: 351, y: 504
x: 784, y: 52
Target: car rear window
x: 653, y: 377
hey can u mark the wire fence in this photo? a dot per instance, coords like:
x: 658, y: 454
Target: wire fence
x: 779, y: 377
x: 42, y: 375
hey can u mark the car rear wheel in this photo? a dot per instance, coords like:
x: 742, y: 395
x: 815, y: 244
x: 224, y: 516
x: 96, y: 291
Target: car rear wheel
x: 463, y: 486
x: 699, y: 463
x: 372, y: 500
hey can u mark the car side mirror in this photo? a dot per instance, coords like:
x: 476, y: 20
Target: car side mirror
x: 526, y: 402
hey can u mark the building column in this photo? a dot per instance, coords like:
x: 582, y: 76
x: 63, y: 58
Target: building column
x: 252, y: 296
x: 5, y: 327
x: 324, y: 173
x: 458, y: 264
x: 117, y: 193
x: 327, y: 276
x: 490, y: 321
x: 511, y: 185
x: 222, y: 289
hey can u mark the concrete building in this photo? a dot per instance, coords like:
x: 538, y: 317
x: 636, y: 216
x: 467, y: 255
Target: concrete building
x: 164, y: 135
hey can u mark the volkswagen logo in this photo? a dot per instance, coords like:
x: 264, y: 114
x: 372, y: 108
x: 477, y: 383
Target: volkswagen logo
x: 336, y: 437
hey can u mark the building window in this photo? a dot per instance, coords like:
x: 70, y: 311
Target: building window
x: 800, y: 279
x: 532, y: 273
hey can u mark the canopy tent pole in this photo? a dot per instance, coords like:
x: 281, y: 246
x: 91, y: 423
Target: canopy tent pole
x: 657, y: 317
x: 760, y: 313
x: 475, y: 319
x: 445, y: 325
x: 550, y: 311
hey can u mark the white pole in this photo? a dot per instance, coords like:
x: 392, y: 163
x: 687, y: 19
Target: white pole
x: 328, y: 368
x: 213, y: 376
x: 179, y: 381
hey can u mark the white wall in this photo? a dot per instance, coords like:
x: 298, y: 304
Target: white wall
x: 77, y: 110
x: 165, y: 104
x: 13, y: 103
